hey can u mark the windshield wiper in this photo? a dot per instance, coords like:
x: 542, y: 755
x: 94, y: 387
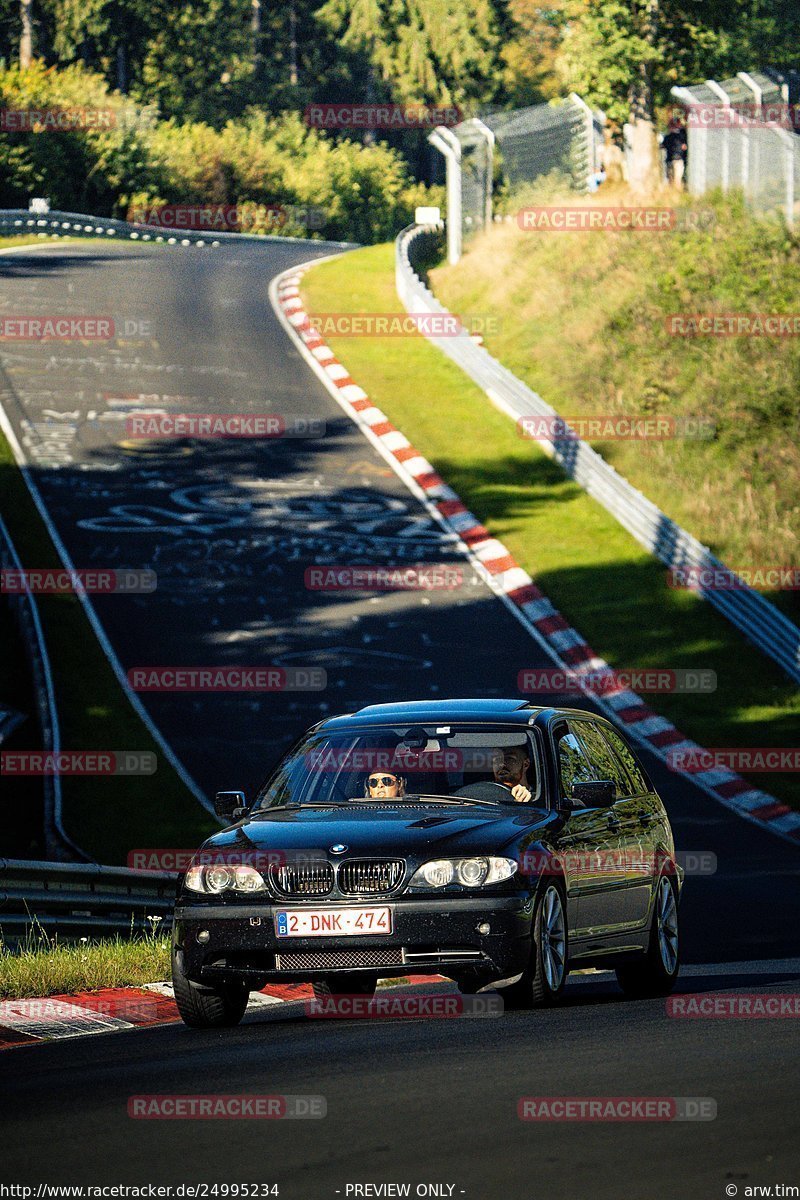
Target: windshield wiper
x: 305, y: 804
x: 413, y: 797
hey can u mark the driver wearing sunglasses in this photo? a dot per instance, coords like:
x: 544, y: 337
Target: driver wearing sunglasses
x: 382, y: 785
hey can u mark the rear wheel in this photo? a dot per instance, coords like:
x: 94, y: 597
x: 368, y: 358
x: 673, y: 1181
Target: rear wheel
x: 349, y: 983
x: 207, y: 1007
x: 545, y: 977
x: 657, y: 973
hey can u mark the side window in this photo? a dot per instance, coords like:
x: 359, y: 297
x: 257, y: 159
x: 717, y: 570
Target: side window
x: 573, y: 762
x: 623, y: 751
x: 605, y: 763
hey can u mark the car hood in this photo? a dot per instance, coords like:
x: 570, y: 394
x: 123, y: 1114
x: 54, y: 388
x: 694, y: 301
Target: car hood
x: 408, y: 831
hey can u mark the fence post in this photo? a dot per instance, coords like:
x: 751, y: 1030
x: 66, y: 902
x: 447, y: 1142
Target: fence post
x: 448, y: 144
x: 788, y: 159
x: 488, y: 134
x: 591, y: 165
x: 756, y: 90
x: 725, y: 98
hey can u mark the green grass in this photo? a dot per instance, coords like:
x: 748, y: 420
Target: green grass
x: 39, y: 239
x: 595, y: 573
x: 106, y: 815
x: 584, y: 322
x: 43, y: 967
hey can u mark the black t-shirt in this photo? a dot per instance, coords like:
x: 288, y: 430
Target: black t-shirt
x: 675, y: 144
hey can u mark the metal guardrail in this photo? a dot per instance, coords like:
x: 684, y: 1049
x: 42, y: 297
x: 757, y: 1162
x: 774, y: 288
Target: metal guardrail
x: 26, y: 613
x: 14, y: 221
x: 17, y: 221
x: 74, y: 900
x: 750, y: 612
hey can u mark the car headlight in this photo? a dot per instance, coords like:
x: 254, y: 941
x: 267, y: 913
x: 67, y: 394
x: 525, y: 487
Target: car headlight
x: 213, y: 880
x: 466, y: 872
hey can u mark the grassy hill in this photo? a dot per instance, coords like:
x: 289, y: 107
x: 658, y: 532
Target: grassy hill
x: 584, y: 321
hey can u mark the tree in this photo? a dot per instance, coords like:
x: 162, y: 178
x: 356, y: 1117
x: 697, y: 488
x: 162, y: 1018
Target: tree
x: 531, y: 41
x: 422, y: 51
x: 622, y: 57
x: 26, y: 34
x: 199, y: 60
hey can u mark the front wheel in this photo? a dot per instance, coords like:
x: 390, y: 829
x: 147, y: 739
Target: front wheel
x: 207, y: 1007
x: 657, y: 973
x: 545, y: 977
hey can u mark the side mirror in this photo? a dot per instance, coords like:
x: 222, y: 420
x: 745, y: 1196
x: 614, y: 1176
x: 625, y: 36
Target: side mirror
x: 595, y: 793
x: 230, y: 806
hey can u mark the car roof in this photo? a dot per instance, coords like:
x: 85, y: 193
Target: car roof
x: 513, y: 711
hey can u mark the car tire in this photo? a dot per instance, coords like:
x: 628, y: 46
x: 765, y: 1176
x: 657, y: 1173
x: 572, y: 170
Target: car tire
x: 544, y: 979
x: 345, y: 984
x: 657, y: 973
x: 207, y: 1007
x: 470, y: 985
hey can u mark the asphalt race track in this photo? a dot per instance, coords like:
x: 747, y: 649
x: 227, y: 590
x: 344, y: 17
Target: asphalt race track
x: 230, y: 527
x: 423, y: 1101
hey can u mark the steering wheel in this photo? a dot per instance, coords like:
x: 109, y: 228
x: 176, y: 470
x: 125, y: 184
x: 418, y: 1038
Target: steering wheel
x: 485, y: 789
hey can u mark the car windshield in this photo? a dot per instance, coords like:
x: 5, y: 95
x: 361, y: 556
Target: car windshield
x: 446, y: 764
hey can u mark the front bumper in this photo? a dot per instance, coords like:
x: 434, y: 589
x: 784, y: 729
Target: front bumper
x: 429, y: 936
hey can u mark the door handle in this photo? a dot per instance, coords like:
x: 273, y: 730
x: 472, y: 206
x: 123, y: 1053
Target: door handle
x: 613, y: 823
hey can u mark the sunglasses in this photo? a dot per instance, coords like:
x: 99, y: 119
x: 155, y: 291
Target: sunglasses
x: 377, y: 780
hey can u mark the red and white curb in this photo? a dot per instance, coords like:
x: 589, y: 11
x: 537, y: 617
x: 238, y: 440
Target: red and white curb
x: 109, y: 1010
x: 507, y: 579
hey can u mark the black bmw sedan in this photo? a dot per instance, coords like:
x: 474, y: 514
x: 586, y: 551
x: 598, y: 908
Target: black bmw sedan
x: 494, y: 842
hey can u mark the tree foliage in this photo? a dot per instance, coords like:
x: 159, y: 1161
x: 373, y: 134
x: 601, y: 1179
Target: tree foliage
x: 606, y: 45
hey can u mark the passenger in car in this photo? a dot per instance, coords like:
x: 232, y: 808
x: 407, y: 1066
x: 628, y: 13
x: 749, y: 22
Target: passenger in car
x: 383, y: 785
